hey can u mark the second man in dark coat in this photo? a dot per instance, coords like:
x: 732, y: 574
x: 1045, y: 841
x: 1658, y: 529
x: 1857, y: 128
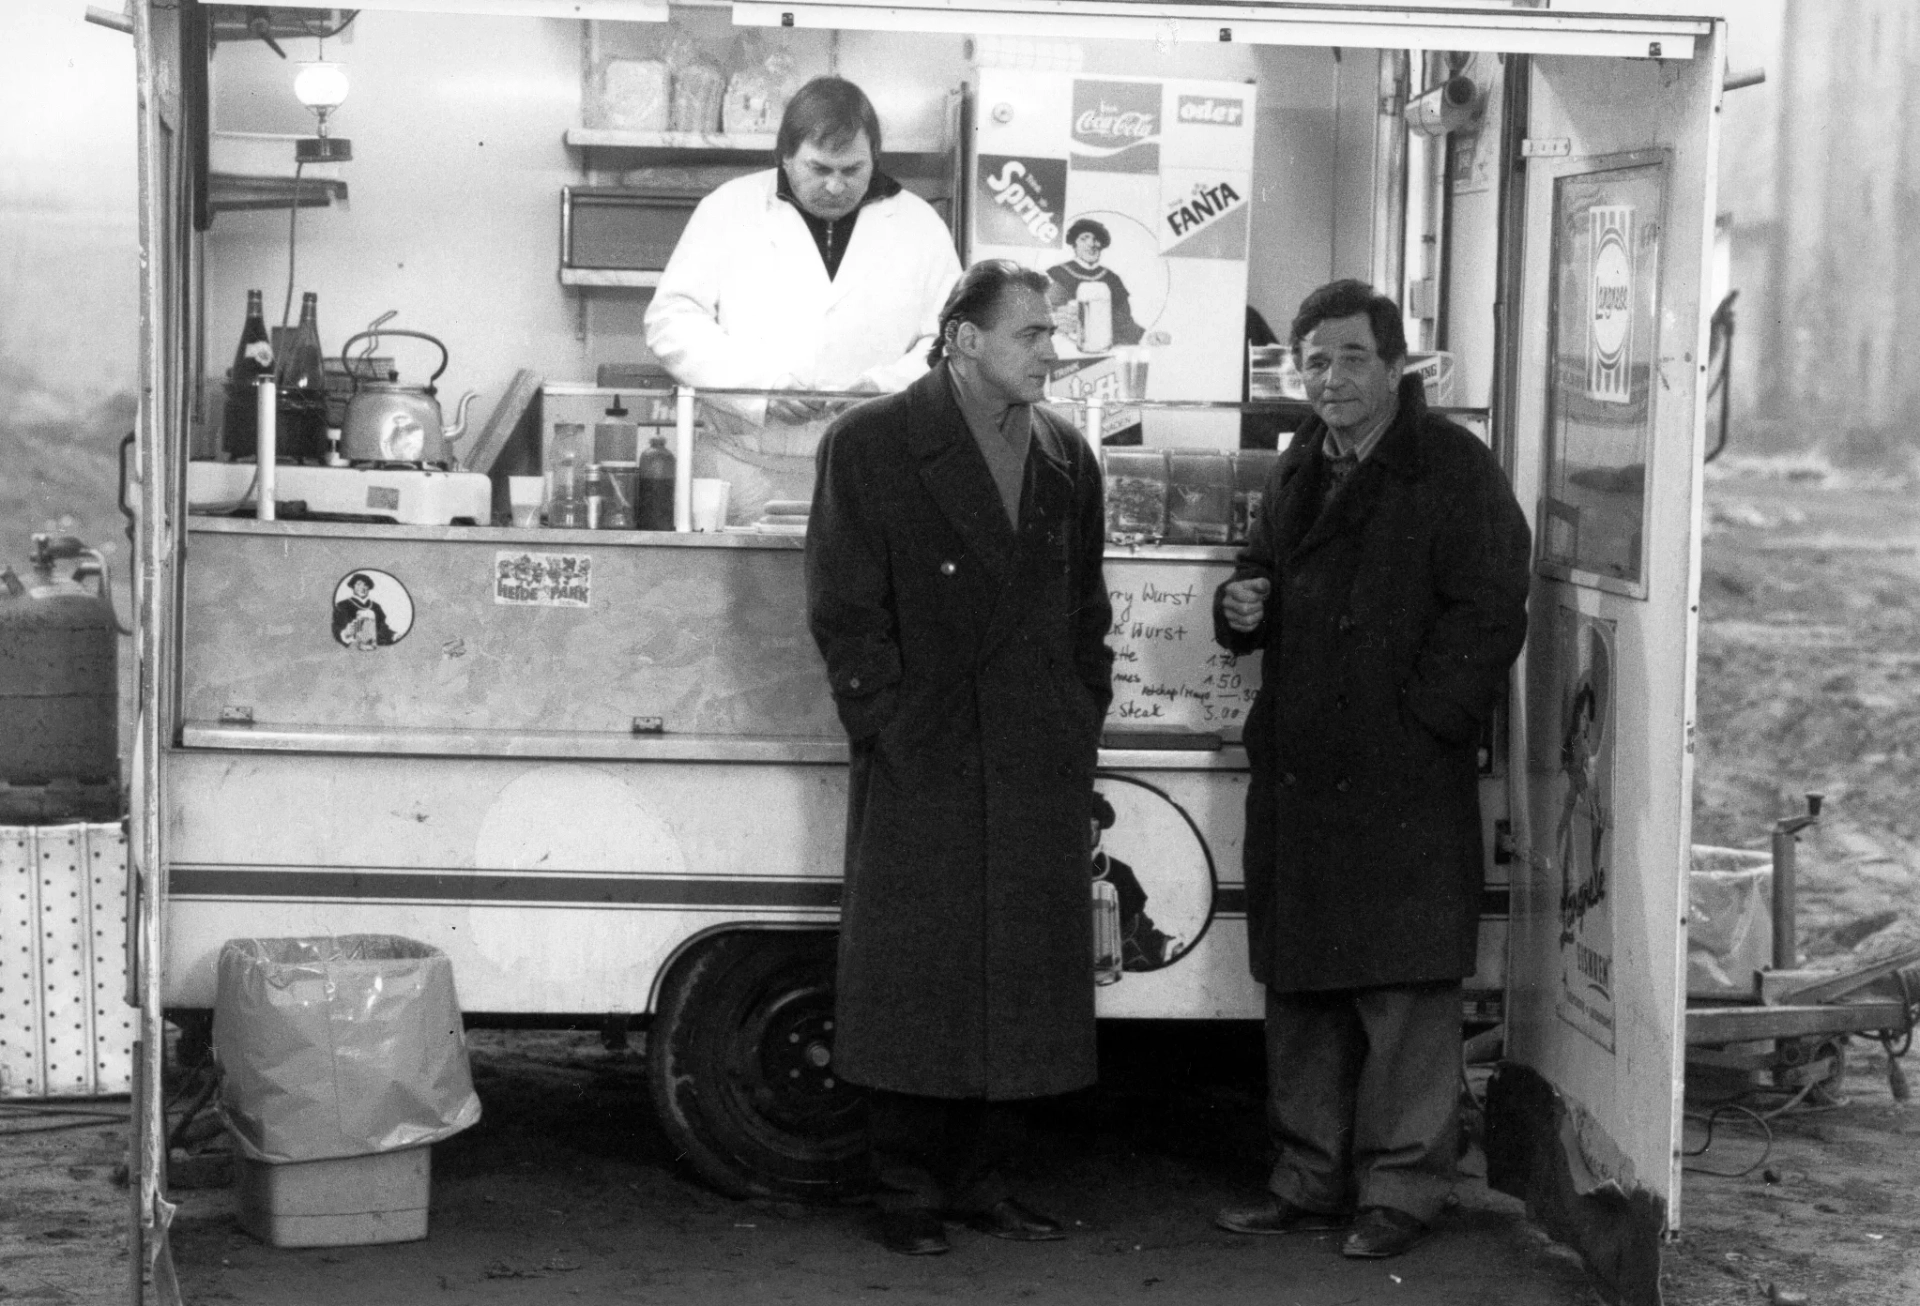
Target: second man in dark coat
x: 1385, y: 583
x: 955, y: 588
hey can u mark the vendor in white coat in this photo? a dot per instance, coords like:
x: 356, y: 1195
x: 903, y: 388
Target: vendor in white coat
x: 819, y: 274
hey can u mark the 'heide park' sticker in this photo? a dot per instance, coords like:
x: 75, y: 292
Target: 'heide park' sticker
x: 1116, y: 126
x: 543, y: 580
x: 1019, y: 200
x: 1204, y: 214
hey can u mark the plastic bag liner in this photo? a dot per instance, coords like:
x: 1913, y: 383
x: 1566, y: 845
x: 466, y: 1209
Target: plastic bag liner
x: 339, y: 1046
x: 1729, y: 920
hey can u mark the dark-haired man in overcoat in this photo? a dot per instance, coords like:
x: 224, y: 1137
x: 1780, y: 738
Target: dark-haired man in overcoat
x: 954, y: 586
x: 1385, y: 584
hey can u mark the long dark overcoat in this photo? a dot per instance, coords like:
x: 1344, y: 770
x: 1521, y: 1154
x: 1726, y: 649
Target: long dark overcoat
x: 1391, y: 624
x: 970, y: 668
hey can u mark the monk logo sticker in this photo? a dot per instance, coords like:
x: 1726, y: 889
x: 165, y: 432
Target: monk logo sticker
x: 1116, y: 126
x: 371, y: 609
x: 1153, y: 879
x: 1019, y: 200
x: 1610, y: 302
x: 543, y: 580
x: 1203, y: 215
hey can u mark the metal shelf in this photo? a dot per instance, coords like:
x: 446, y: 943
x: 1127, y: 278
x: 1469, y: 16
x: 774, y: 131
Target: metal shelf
x: 618, y: 278
x: 689, y: 148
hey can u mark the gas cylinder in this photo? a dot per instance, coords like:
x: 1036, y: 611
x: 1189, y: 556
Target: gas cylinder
x: 59, y: 688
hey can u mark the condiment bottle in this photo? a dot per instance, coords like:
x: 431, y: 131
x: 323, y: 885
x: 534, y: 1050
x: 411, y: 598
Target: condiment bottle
x: 653, y: 504
x: 240, y: 425
x: 566, y: 475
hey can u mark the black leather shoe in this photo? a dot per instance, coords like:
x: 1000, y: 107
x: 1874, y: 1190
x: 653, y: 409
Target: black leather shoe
x: 913, y: 1233
x: 1010, y: 1219
x: 1382, y: 1231
x: 1276, y: 1215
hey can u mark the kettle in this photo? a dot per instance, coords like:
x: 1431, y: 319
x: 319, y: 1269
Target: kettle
x: 387, y: 422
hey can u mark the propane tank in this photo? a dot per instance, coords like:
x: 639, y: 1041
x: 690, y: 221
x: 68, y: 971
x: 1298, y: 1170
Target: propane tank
x: 59, y: 688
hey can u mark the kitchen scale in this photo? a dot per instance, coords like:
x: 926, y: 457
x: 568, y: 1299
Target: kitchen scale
x: 407, y: 495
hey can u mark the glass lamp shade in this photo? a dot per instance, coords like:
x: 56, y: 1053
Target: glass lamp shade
x: 320, y: 85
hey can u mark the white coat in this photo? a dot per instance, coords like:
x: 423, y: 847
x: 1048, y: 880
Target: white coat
x: 745, y: 300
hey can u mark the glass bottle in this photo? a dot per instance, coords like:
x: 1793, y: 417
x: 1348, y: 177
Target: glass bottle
x: 653, y: 503
x: 566, y: 475
x: 253, y: 359
x: 303, y: 388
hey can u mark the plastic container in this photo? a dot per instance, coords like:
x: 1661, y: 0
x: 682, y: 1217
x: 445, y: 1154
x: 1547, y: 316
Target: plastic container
x: 636, y: 95
x: 1199, y: 497
x: 345, y: 1201
x: 1252, y: 469
x: 621, y: 490
x: 1136, y: 495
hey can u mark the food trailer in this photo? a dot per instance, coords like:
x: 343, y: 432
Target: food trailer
x: 599, y: 767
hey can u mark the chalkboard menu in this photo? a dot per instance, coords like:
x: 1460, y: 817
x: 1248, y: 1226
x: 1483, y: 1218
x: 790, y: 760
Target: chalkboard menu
x: 1169, y: 678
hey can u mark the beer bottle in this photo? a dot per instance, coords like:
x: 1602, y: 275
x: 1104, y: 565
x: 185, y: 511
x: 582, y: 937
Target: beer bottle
x: 240, y: 424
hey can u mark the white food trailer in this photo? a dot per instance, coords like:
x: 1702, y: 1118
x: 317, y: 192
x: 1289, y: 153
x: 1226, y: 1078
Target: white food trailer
x: 600, y: 768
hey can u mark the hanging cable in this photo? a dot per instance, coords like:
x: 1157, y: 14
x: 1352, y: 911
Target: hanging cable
x: 293, y: 214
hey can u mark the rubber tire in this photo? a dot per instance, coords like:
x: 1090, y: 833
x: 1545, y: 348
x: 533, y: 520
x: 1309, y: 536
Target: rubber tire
x: 739, y: 1065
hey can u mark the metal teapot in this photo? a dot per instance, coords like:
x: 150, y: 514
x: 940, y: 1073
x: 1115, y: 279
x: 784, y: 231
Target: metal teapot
x: 387, y: 422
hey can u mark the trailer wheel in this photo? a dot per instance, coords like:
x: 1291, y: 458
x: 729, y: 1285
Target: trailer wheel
x: 740, y: 1066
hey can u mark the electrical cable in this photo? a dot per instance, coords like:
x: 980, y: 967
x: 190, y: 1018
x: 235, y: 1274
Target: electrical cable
x: 1710, y: 1118
x: 293, y: 214
x: 331, y: 32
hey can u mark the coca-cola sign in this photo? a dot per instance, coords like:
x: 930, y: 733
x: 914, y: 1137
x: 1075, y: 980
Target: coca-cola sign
x: 1116, y: 126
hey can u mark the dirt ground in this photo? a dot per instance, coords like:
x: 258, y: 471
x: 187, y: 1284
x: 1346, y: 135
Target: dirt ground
x: 566, y: 1191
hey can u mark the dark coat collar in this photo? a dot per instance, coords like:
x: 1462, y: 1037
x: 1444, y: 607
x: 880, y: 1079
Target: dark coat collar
x: 1300, y: 524
x: 935, y: 421
x: 1398, y: 450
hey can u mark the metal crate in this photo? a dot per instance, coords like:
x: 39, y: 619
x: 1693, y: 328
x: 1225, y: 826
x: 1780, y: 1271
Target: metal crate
x: 65, y: 1027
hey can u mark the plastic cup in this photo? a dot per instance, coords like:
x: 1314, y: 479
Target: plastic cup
x: 1132, y: 361
x: 524, y: 496
x: 709, y: 503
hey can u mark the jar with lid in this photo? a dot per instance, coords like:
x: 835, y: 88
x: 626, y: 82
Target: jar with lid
x: 566, y: 471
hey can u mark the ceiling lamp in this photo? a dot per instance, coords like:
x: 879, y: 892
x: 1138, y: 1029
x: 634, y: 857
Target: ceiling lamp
x: 321, y: 86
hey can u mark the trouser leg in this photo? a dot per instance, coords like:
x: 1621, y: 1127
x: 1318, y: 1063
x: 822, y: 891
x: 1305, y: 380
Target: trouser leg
x: 939, y: 1154
x: 982, y: 1140
x: 1407, y: 1102
x: 1313, y: 1054
x: 906, y: 1135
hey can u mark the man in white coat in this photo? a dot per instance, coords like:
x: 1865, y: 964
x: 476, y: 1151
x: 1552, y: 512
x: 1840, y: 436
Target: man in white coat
x: 819, y: 274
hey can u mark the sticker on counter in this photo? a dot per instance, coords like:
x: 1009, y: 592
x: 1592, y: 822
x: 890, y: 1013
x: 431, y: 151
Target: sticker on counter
x: 543, y: 580
x: 371, y: 609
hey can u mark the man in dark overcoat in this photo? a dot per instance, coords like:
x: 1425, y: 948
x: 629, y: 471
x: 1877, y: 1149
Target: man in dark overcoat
x: 1385, y: 583
x: 954, y: 586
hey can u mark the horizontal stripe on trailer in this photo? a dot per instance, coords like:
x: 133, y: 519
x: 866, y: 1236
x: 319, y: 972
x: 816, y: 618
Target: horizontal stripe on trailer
x: 506, y: 887
x: 1231, y: 900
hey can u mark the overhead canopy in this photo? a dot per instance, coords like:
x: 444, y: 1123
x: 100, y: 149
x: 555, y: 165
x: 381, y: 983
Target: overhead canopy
x: 1613, y: 28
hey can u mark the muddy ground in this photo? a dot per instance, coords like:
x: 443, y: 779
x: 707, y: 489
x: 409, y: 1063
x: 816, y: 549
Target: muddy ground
x: 1810, y: 663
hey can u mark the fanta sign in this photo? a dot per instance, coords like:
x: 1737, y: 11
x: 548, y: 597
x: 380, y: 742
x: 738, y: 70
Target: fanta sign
x: 1211, y: 110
